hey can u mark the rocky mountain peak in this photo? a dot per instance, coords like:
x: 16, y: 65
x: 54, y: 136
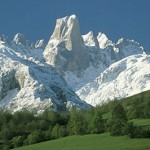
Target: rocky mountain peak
x: 19, y: 39
x: 129, y: 47
x: 4, y: 40
x: 66, y: 49
x: 65, y: 26
x: 103, y: 40
x: 67, y: 29
x: 40, y: 44
x: 121, y: 40
x: 90, y: 40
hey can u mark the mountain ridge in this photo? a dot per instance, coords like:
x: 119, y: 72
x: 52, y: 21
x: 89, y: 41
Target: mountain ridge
x: 80, y: 64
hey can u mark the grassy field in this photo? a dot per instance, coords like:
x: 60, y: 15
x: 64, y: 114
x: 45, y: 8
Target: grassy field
x: 141, y: 122
x: 92, y: 142
x: 145, y: 123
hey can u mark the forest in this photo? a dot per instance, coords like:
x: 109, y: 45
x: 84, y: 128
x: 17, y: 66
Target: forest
x: 116, y: 117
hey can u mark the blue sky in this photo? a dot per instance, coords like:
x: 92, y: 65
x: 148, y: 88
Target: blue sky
x: 116, y: 18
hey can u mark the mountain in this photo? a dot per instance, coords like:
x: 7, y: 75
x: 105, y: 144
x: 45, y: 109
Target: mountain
x: 27, y: 82
x: 71, y: 70
x: 113, y: 70
x: 66, y: 50
x: 124, y: 78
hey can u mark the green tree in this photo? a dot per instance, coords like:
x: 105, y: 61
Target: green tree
x: 146, y: 108
x: 18, y: 141
x: 35, y: 137
x: 77, y: 124
x: 96, y: 123
x: 6, y: 134
x: 62, y: 132
x: 51, y: 116
x: 55, y: 131
x: 118, y: 120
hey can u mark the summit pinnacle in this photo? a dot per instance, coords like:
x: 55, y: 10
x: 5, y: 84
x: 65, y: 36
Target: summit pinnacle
x: 66, y: 49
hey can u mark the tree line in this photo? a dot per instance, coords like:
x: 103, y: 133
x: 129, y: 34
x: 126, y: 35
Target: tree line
x: 24, y: 128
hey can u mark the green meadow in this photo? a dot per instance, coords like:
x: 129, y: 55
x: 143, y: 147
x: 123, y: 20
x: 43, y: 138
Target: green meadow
x: 92, y: 142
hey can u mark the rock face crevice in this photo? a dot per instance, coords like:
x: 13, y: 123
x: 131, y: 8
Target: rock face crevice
x: 66, y: 50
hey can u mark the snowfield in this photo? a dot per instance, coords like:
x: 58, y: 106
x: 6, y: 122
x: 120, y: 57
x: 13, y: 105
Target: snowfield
x: 124, y: 78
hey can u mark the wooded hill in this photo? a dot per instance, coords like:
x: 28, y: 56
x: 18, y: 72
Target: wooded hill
x: 116, y: 117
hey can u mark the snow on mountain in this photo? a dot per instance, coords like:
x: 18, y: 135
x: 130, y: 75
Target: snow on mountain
x: 19, y: 39
x: 40, y: 44
x: 103, y: 40
x: 124, y: 78
x: 4, y: 40
x: 27, y: 82
x: 87, y: 83
x: 90, y: 40
x: 102, y: 54
x: 129, y: 47
x: 36, y: 76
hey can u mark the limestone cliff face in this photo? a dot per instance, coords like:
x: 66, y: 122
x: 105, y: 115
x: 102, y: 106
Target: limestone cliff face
x: 66, y: 49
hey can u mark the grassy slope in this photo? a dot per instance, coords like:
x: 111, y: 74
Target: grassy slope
x: 145, y: 123
x: 92, y: 142
x: 140, y: 98
x: 141, y: 122
x: 100, y: 142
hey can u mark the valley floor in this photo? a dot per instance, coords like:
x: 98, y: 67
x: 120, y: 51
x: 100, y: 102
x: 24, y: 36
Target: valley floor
x: 92, y: 142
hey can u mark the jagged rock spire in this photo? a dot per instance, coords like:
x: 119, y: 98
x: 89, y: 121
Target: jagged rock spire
x: 4, y: 39
x: 19, y: 39
x: 103, y: 40
x: 40, y: 44
x: 72, y: 55
x: 90, y: 40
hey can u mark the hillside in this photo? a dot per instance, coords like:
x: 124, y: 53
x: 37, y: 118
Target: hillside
x: 136, y: 106
x: 91, y: 142
x: 130, y: 117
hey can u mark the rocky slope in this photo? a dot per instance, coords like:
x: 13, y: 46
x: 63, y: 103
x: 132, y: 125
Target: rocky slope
x: 124, y: 78
x: 27, y: 82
